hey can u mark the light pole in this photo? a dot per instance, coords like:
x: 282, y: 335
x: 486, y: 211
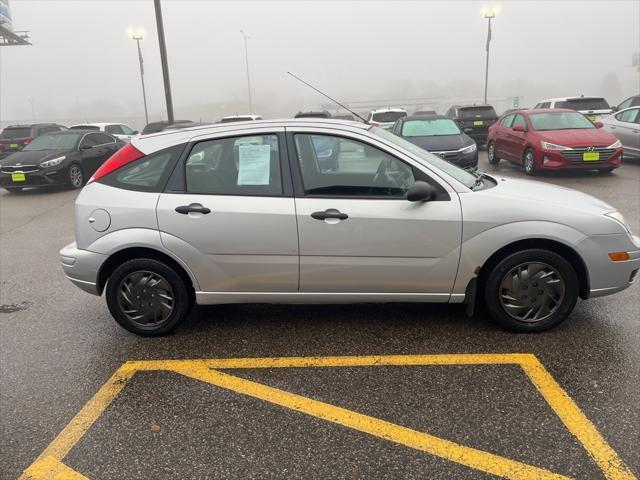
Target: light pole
x: 137, y: 36
x: 246, y: 59
x: 163, y: 60
x: 489, y: 13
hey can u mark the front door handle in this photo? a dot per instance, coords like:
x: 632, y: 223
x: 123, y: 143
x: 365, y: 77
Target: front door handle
x: 192, y: 208
x: 329, y: 213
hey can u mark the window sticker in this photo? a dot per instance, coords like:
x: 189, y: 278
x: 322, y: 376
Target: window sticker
x: 254, y: 163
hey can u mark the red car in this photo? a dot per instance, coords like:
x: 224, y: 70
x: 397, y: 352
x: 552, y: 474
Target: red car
x: 552, y: 139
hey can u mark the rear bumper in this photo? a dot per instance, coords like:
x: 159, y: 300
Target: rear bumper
x: 81, y: 267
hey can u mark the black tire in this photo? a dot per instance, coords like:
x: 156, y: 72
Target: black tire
x: 529, y: 162
x: 492, y: 154
x: 496, y: 296
x: 605, y: 171
x: 75, y: 176
x: 178, y: 290
x: 13, y: 189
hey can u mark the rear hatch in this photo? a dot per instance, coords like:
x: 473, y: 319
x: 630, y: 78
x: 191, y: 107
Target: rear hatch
x: 477, y: 119
x: 591, y: 107
x: 13, y: 139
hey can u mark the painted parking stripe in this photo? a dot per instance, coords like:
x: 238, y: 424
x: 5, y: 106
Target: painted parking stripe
x: 206, y: 370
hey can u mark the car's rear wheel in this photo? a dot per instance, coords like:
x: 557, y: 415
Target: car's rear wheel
x: 492, y: 154
x: 147, y: 297
x: 529, y: 162
x: 531, y: 291
x: 76, y: 176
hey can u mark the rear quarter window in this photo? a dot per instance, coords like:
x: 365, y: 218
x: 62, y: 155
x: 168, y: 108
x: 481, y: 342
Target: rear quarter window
x: 148, y: 174
x: 16, y: 132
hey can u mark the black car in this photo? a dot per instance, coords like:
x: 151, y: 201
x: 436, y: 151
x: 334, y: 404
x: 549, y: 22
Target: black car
x: 319, y: 114
x: 62, y: 158
x: 155, y: 127
x: 441, y: 136
x: 474, y: 120
x: 15, y: 137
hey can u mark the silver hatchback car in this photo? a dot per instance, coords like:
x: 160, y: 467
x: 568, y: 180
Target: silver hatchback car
x: 250, y: 212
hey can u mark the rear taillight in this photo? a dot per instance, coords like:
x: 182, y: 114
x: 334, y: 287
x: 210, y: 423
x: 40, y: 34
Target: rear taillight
x: 125, y: 155
x: 27, y: 141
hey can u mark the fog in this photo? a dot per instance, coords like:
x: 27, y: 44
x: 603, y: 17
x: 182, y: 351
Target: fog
x: 83, y: 66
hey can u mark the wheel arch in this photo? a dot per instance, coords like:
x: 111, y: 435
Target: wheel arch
x: 555, y: 246
x: 130, y: 253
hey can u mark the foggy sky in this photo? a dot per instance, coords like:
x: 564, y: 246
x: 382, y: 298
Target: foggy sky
x: 84, y: 66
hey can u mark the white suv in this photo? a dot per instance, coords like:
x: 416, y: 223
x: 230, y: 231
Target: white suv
x: 118, y: 130
x: 385, y: 117
x: 591, y: 107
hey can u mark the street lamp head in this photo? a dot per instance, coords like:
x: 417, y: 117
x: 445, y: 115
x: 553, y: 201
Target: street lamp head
x: 490, y: 11
x: 136, y: 33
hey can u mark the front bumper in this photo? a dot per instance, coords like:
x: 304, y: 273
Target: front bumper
x: 606, y: 276
x: 81, y: 267
x: 47, y: 177
x: 557, y: 160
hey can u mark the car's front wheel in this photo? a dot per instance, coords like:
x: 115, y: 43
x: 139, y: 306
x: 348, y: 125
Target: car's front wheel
x: 531, y: 291
x: 147, y: 297
x: 529, y: 162
x: 492, y: 154
x: 76, y: 176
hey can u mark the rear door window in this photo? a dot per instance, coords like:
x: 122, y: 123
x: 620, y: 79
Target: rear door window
x: 246, y: 165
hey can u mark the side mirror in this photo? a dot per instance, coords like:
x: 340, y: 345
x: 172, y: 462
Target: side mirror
x: 519, y: 128
x: 135, y: 132
x: 614, y: 108
x: 421, y: 192
x: 599, y: 124
x: 86, y: 147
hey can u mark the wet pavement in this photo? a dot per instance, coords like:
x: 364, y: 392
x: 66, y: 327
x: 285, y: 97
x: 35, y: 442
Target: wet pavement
x: 60, y: 346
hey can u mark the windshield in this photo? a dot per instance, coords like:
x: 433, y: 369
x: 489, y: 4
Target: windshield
x: 16, y: 132
x: 584, y: 104
x: 53, y: 142
x: 427, y: 158
x: 429, y: 128
x: 387, y: 117
x: 478, y: 112
x: 559, y: 121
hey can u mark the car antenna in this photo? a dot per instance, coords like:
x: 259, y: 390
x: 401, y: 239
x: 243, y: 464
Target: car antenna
x: 324, y: 94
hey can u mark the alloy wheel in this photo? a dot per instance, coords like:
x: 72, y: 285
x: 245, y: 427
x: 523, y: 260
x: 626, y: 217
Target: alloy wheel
x: 529, y: 162
x: 492, y: 152
x: 532, y: 292
x: 75, y: 176
x: 146, y: 298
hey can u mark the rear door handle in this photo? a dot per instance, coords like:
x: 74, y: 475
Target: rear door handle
x: 192, y: 208
x: 329, y: 213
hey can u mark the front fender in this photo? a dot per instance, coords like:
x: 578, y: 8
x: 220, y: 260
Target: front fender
x: 477, y: 249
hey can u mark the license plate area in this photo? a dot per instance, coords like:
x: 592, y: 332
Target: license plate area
x: 591, y: 156
x: 478, y: 123
x: 18, y: 177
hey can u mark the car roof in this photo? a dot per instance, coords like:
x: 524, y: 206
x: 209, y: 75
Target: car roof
x: 31, y: 125
x: 390, y: 109
x: 97, y: 124
x: 543, y: 110
x: 564, y: 99
x: 425, y: 116
x: 482, y: 105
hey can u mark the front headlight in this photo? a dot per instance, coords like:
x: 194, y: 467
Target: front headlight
x: 617, y: 216
x: 53, y: 162
x: 469, y: 149
x: 616, y: 144
x: 552, y: 146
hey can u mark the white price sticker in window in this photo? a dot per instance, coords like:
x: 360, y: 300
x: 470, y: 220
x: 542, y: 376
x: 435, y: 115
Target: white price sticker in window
x: 254, y: 162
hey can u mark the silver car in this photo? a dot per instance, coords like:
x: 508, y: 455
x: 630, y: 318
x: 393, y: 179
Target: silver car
x: 625, y: 125
x: 242, y: 212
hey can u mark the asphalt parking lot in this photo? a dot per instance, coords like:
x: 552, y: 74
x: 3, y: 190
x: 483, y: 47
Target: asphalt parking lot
x: 359, y: 391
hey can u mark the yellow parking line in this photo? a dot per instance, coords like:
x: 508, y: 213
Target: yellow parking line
x: 470, y: 457
x: 49, y: 468
x: 576, y: 422
x: 76, y: 428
